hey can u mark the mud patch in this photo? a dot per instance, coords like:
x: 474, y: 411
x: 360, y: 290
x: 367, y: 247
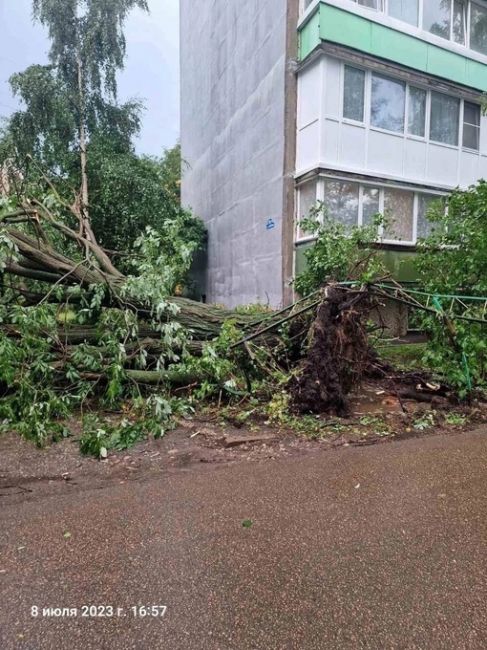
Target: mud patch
x: 201, y: 444
x: 28, y: 473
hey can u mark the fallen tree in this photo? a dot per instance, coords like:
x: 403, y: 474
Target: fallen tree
x: 81, y: 326
x: 35, y: 256
x: 74, y: 329
x: 76, y: 333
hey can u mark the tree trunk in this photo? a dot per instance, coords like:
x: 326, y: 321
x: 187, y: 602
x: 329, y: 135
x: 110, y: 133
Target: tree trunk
x: 85, y: 216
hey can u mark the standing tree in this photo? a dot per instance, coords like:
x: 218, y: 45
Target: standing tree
x: 88, y: 49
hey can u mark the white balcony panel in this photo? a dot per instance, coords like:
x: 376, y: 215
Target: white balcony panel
x: 309, y: 95
x: 326, y: 138
x: 353, y: 142
x: 469, y: 168
x: 483, y: 167
x: 331, y: 141
x: 308, y: 150
x: 442, y: 165
x: 332, y: 88
x: 415, y: 157
x: 483, y: 133
x: 385, y: 153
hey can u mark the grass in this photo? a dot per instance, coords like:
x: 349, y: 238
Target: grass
x: 404, y: 357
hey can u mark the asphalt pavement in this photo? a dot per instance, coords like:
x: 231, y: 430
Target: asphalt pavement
x: 379, y: 547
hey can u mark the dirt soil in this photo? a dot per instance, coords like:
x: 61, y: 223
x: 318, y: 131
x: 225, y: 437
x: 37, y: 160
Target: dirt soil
x: 28, y: 473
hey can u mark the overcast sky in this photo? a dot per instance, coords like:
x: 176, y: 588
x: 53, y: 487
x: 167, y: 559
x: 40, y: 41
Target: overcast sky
x: 151, y: 72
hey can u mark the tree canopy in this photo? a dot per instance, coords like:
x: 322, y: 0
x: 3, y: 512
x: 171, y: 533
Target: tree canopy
x: 90, y: 32
x: 72, y: 129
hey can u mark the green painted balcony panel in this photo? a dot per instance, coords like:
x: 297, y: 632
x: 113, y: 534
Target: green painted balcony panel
x: 335, y: 25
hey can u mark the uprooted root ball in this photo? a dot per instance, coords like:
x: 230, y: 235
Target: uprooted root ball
x: 338, y: 353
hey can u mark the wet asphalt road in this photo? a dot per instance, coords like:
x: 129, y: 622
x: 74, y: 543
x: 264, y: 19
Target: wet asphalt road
x: 379, y: 547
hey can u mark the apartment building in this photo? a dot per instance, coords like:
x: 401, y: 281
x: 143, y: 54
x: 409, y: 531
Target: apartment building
x: 367, y: 105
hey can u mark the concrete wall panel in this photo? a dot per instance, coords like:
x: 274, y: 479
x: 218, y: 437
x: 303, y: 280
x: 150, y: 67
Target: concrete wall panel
x: 233, y: 64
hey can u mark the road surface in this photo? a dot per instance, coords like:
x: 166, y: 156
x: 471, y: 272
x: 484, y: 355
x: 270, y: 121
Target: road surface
x: 379, y: 547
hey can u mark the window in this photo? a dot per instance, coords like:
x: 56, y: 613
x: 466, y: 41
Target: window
x: 372, y: 4
x: 459, y: 21
x: 307, y: 201
x: 478, y: 28
x: 399, y: 212
x: 437, y: 17
x: 370, y: 204
x: 354, y: 203
x: 389, y: 99
x: 405, y: 10
x: 426, y: 202
x: 353, y: 95
x: 445, y: 112
x: 416, y: 111
x: 446, y: 18
x: 471, y: 126
x: 342, y: 201
x: 388, y: 102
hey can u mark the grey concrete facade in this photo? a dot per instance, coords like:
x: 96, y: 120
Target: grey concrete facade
x: 233, y: 123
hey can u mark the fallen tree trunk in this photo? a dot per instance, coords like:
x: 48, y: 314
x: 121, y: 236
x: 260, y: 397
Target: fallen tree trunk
x: 35, y: 259
x: 173, y: 377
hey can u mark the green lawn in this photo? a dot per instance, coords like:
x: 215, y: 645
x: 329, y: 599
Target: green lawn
x: 404, y: 357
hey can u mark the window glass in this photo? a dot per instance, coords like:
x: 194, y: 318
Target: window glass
x: 399, y: 212
x: 437, y: 17
x: 307, y: 200
x: 342, y: 201
x: 417, y: 111
x: 372, y: 4
x: 426, y: 201
x: 444, y: 118
x: 405, y: 10
x: 353, y: 94
x: 388, y: 101
x: 459, y: 21
x: 471, y: 126
x: 478, y: 28
x: 370, y: 204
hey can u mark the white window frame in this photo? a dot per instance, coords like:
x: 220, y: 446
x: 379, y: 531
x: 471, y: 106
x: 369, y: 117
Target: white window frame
x: 303, y: 8
x: 477, y: 126
x: 379, y: 9
x: 404, y: 133
x: 450, y: 38
x: 366, y: 95
x: 403, y: 22
x: 461, y: 101
x: 369, y: 107
x: 480, y: 3
x: 466, y: 44
x: 427, y: 107
x: 320, y: 198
